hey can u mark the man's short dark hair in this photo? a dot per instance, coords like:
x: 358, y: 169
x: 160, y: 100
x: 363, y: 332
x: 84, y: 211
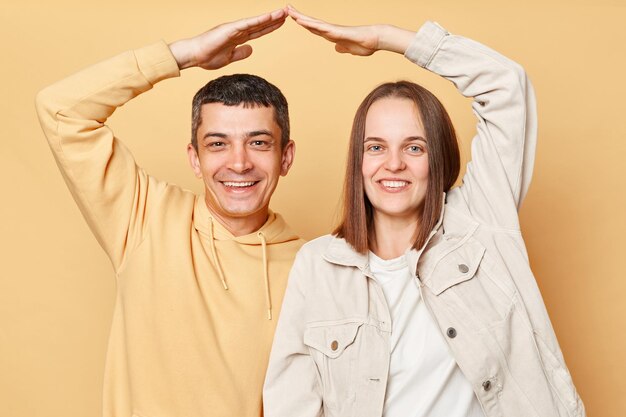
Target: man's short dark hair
x: 236, y: 89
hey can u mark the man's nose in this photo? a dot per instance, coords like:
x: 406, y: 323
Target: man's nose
x: 239, y: 159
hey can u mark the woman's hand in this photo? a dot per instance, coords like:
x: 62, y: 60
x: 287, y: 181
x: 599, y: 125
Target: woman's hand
x: 356, y: 40
x: 224, y: 44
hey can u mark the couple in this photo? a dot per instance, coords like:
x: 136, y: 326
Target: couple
x: 421, y: 303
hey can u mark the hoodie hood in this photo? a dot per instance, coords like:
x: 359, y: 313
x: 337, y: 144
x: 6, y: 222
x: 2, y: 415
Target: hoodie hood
x: 274, y: 231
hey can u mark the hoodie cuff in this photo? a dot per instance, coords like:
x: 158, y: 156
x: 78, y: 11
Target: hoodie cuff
x: 426, y: 44
x: 156, y: 62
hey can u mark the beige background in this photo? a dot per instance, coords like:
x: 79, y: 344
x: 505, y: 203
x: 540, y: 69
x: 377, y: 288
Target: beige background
x: 57, y: 287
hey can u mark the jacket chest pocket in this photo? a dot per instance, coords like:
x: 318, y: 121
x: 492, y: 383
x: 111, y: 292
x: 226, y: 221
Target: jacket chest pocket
x: 465, y: 280
x: 333, y: 347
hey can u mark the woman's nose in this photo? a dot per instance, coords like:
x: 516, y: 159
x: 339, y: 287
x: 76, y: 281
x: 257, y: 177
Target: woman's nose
x: 394, y: 161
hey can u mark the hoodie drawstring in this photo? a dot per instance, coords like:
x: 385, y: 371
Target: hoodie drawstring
x: 268, y: 299
x: 214, y: 255
x: 220, y: 272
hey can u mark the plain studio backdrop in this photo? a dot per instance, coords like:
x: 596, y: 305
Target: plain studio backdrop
x: 57, y: 286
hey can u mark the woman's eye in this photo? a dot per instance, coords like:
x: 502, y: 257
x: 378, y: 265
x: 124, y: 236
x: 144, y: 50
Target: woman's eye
x: 375, y: 148
x: 415, y: 149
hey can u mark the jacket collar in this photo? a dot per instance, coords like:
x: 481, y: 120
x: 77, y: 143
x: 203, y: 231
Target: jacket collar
x: 340, y: 252
x: 451, y: 224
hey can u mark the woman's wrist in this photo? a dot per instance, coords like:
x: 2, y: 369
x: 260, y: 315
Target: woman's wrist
x: 394, y: 39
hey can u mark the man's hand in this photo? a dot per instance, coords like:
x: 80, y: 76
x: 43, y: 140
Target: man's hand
x: 224, y: 44
x: 356, y: 40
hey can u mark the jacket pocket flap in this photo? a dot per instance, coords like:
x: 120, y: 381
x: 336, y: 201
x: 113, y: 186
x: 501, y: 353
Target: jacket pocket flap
x: 455, y: 267
x: 333, y: 339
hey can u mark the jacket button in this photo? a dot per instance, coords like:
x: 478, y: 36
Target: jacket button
x: 487, y: 385
x: 334, y: 345
x: 451, y: 332
x: 463, y: 268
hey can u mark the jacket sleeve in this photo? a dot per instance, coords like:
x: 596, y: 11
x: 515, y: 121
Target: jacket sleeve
x: 113, y: 194
x: 292, y: 383
x: 498, y: 176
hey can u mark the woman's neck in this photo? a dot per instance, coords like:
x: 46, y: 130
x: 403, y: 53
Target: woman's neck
x: 393, y: 235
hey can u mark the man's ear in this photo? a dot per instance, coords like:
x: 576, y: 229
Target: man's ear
x: 289, y: 152
x: 194, y: 160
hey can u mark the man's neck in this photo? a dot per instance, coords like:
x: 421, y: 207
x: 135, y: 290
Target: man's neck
x: 240, y: 226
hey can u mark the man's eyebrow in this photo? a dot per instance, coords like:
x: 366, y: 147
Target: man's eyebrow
x: 214, y: 135
x: 262, y: 132
x: 254, y: 133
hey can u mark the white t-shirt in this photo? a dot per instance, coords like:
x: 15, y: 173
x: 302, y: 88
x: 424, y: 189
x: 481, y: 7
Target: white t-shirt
x: 424, y: 379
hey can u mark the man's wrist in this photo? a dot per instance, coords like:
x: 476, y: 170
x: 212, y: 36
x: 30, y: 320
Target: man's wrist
x: 181, y: 51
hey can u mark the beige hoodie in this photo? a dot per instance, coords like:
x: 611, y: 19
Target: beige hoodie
x: 196, y: 307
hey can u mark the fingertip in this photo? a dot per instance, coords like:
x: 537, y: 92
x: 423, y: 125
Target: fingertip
x: 293, y: 11
x: 279, y: 13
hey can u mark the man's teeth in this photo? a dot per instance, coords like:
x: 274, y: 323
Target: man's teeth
x: 394, y: 184
x: 238, y: 184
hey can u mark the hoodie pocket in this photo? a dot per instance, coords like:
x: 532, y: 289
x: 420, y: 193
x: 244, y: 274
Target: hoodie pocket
x: 334, y: 349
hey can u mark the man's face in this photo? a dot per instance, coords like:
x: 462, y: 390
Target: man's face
x: 240, y: 159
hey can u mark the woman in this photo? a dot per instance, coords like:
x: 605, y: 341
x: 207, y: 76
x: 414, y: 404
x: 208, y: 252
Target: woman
x: 423, y: 303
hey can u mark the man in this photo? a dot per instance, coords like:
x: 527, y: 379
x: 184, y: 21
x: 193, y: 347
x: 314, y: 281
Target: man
x: 199, y: 278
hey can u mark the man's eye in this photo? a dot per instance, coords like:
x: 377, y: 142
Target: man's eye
x: 216, y: 144
x: 260, y: 144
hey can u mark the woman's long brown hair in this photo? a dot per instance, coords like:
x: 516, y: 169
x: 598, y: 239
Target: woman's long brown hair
x: 357, y: 226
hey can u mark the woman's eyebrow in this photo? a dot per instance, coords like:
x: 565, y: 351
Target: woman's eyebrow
x: 412, y: 138
x: 407, y: 139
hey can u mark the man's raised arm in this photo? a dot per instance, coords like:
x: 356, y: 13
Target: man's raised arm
x: 115, y: 195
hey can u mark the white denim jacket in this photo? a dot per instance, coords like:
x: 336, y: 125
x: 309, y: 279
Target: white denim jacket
x: 330, y: 355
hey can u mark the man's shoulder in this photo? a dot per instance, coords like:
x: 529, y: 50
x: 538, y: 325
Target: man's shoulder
x: 171, y: 203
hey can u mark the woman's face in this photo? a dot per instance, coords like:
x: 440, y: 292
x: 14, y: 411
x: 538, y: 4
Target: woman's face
x: 395, y: 158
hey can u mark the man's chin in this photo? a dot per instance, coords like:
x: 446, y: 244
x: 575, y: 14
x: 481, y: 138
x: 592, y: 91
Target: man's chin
x: 239, y: 211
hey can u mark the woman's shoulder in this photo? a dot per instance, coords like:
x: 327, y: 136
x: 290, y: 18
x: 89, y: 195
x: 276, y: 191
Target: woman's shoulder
x: 331, y: 250
x: 328, y: 246
x: 317, y: 246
